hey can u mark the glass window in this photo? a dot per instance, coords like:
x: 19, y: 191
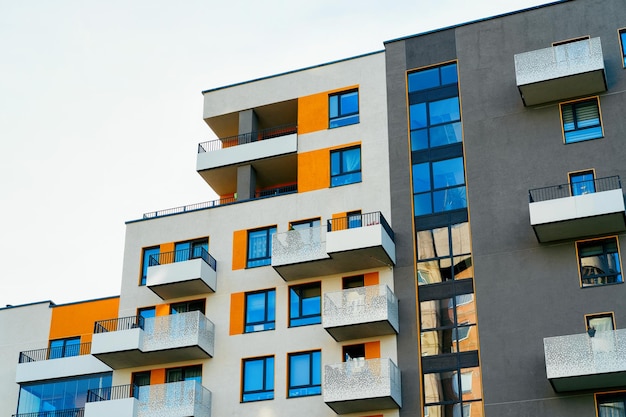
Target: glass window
x: 258, y: 379
x: 582, y: 183
x: 145, y: 262
x: 184, y: 251
x: 63, y: 348
x: 305, y: 304
x: 599, y: 262
x: 622, y: 42
x: 432, y: 78
x: 581, y: 120
x: 355, y: 219
x: 187, y: 306
x: 260, y: 311
x: 439, y: 186
x: 601, y: 322
x: 187, y: 373
x: 345, y: 166
x: 305, y: 373
x: 343, y: 108
x: 260, y: 247
x: 611, y: 404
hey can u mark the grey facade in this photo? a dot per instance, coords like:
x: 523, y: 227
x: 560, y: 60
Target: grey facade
x: 525, y: 289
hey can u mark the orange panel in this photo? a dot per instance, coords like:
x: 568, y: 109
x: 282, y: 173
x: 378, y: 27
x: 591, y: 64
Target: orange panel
x: 370, y: 278
x: 157, y: 376
x: 312, y: 113
x: 372, y: 350
x: 162, y: 310
x: 166, y: 248
x: 240, y: 243
x: 337, y: 224
x: 77, y: 319
x: 313, y: 170
x: 237, y: 306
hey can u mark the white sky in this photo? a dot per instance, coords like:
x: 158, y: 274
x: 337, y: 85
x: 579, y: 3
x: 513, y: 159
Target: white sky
x: 101, y: 111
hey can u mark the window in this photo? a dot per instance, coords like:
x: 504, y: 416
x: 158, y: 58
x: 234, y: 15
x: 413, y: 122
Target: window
x: 305, y: 304
x: 600, y: 322
x: 260, y: 246
x: 258, y: 379
x: 185, y: 251
x: 599, y: 262
x: 351, y: 352
x: 581, y: 120
x: 355, y: 219
x: 343, y: 108
x: 439, y: 186
x: 187, y: 373
x: 345, y: 166
x: 63, y: 348
x: 622, y: 42
x: 145, y: 262
x: 612, y: 404
x: 353, y: 282
x: 187, y: 306
x: 305, y: 373
x: 260, y: 311
x: 305, y: 224
x: 582, y: 183
x: 140, y: 379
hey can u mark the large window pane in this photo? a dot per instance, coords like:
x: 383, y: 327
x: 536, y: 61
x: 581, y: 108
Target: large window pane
x: 423, y: 80
x: 443, y: 111
x: 258, y: 379
x: 448, y: 172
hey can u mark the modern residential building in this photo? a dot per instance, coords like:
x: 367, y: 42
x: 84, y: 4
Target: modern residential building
x: 433, y: 229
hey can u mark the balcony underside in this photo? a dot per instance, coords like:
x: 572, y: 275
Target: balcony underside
x: 135, y: 357
x: 338, y: 263
x: 578, y: 85
x: 181, y: 289
x: 363, y: 405
x: 361, y: 330
x: 579, y: 228
x: 588, y: 382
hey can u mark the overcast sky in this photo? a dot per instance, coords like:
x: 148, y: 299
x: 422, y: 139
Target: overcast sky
x: 101, y: 111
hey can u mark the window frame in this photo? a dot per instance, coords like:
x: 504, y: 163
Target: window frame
x: 315, y: 375
x: 571, y: 182
x: 265, y: 260
x: 619, y: 395
x: 267, y: 392
x: 621, y: 35
x: 269, y: 312
x: 300, y: 319
x: 571, y: 40
x: 65, y: 350
x: 619, y: 278
x: 343, y: 119
x: 433, y: 191
x: 578, y: 129
x: 145, y: 262
x: 335, y: 178
x: 591, y: 316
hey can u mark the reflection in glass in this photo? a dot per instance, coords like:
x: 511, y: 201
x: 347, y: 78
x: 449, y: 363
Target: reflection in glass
x: 599, y: 262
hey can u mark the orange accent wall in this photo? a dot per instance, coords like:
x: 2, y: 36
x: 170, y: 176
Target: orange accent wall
x: 371, y: 278
x: 157, y: 376
x: 240, y: 243
x: 372, y: 350
x: 162, y: 310
x: 339, y: 225
x: 312, y: 113
x: 165, y: 248
x: 77, y: 319
x: 313, y: 170
x: 237, y: 306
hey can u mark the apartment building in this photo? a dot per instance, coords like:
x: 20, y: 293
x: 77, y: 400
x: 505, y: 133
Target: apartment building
x: 429, y: 230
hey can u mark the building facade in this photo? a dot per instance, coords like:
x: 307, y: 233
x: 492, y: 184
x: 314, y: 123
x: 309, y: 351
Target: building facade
x: 429, y: 230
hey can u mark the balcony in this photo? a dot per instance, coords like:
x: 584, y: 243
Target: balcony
x: 42, y: 364
x: 580, y: 362
x: 174, y: 399
x: 565, y: 71
x: 362, y: 385
x: 182, y: 273
x: 134, y: 341
x: 271, y: 152
x: 72, y: 412
x: 556, y: 214
x: 360, y: 312
x: 347, y: 244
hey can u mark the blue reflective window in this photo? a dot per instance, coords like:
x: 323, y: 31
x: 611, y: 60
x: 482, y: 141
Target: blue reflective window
x: 448, y: 172
x: 599, y: 262
x: 63, y: 348
x: 432, y: 78
x: 260, y: 247
x: 145, y: 262
x: 444, y: 111
x: 343, y: 108
x: 581, y: 121
x: 260, y: 311
x: 439, y: 186
x: 622, y: 41
x: 418, y: 116
x: 345, y: 166
x: 421, y: 177
x: 582, y: 183
x: 258, y: 379
x: 305, y: 373
x: 305, y: 304
x: 446, y: 134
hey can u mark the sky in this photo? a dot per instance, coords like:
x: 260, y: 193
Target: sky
x: 101, y: 112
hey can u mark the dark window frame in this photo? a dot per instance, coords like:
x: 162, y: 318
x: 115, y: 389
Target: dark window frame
x: 574, y: 110
x: 68, y: 347
x: 609, y: 250
x: 269, y: 312
x: 343, y: 119
x: 608, y: 397
x: 266, y: 259
x: 299, y: 317
x: 267, y: 392
x: 336, y: 180
x: 146, y: 253
x: 582, y: 186
x: 622, y: 43
x: 315, y: 374
x: 434, y: 191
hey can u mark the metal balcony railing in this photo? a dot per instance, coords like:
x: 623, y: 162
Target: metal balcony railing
x: 113, y: 325
x: 190, y: 207
x: 183, y: 255
x: 273, y: 132
x: 287, y: 189
x: 565, y: 190
x: 118, y: 392
x: 360, y: 220
x: 74, y: 412
x: 55, y: 353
